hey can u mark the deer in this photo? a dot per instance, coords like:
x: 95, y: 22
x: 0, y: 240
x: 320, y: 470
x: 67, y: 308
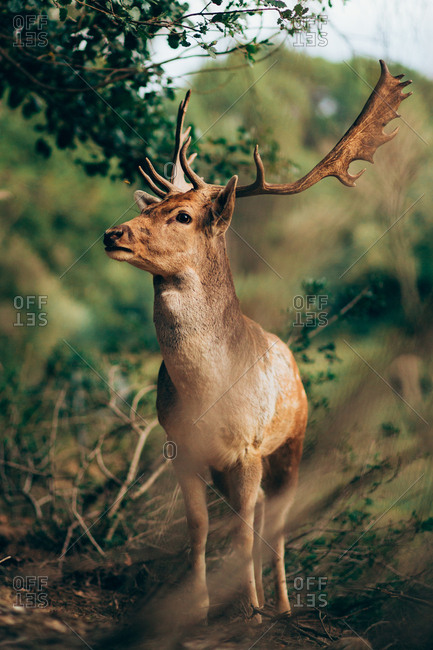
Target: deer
x: 229, y: 394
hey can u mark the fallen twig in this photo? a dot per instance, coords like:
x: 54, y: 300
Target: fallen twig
x: 151, y: 480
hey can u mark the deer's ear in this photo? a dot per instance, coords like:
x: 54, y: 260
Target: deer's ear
x: 223, y: 206
x: 143, y: 199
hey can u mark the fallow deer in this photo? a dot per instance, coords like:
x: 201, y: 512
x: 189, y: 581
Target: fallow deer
x: 229, y: 394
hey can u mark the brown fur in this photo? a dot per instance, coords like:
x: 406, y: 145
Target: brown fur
x: 229, y: 394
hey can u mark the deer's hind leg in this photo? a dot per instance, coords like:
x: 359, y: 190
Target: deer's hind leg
x: 280, y: 481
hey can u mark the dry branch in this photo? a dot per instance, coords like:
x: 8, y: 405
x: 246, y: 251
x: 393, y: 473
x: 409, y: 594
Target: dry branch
x: 132, y: 473
x: 151, y: 480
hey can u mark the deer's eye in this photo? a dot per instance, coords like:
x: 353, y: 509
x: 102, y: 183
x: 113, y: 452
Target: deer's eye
x: 183, y: 217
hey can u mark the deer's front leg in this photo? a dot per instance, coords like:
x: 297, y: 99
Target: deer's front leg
x: 244, y: 481
x: 194, y: 494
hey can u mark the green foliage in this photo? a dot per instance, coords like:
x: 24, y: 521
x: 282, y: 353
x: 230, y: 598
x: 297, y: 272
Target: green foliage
x: 92, y: 403
x: 56, y: 216
x: 427, y: 525
x: 89, y: 74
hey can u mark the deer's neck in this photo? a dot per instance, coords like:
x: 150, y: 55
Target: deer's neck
x: 199, y: 322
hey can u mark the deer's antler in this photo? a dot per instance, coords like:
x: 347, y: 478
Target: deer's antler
x: 177, y: 183
x: 358, y: 143
x: 152, y: 178
x: 177, y: 175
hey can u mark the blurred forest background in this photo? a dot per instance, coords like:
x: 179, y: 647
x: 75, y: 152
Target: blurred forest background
x: 73, y: 444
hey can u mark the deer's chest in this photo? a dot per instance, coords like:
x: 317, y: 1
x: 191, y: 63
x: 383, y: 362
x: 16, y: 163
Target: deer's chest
x: 227, y: 418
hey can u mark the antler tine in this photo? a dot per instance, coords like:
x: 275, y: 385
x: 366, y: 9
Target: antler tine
x: 177, y: 175
x: 260, y: 169
x: 191, y: 175
x: 151, y: 184
x: 359, y: 142
x: 177, y: 182
x: 191, y: 158
x: 169, y: 187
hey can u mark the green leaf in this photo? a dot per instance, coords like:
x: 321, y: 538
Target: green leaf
x: 16, y: 96
x: 131, y: 42
x: 135, y: 13
x: 15, y: 5
x: 43, y: 148
x: 30, y: 107
x: 174, y: 40
x: 63, y: 14
x: 65, y: 137
x: 277, y: 3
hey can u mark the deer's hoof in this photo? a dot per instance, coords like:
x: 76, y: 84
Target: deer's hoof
x: 198, y: 601
x: 256, y: 619
x: 283, y: 607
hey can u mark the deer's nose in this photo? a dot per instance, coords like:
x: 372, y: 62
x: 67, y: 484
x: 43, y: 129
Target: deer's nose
x: 112, y: 235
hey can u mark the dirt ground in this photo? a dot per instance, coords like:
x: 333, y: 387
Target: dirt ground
x: 113, y: 603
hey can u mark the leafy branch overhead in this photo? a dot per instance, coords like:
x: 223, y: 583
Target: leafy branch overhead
x: 90, y: 72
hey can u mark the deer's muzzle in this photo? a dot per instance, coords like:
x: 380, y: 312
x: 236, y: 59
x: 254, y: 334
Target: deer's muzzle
x: 114, y: 239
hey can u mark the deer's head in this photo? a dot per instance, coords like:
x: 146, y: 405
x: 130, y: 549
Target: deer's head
x: 178, y: 228
x: 174, y: 234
